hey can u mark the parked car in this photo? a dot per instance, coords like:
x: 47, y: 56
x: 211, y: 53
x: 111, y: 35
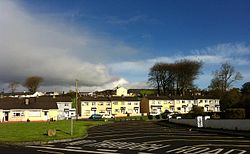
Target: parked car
x: 95, y: 116
x: 107, y: 116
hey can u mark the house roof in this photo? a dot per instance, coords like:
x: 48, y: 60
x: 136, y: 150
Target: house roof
x: 158, y: 97
x: 113, y: 98
x: 62, y: 98
x: 122, y: 98
x: 91, y: 98
x: 185, y: 97
x: 33, y: 103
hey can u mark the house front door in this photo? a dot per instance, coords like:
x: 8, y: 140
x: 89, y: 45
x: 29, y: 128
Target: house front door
x: 6, y: 116
x: 46, y: 115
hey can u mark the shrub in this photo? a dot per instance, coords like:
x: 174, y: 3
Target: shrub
x: 237, y: 113
x: 150, y: 117
x: 215, y: 116
x: 157, y: 117
x: 188, y: 116
x: 197, y: 111
x: 163, y: 116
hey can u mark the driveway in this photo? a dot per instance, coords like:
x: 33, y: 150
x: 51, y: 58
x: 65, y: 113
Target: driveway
x: 143, y: 137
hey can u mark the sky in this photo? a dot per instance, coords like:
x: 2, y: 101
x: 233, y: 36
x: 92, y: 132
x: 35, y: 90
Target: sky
x: 104, y: 44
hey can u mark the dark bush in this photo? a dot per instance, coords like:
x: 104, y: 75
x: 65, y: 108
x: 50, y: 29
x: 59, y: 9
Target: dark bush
x: 150, y: 117
x: 163, y: 116
x: 197, y: 111
x: 188, y: 116
x: 215, y: 116
x: 236, y: 113
x: 157, y: 116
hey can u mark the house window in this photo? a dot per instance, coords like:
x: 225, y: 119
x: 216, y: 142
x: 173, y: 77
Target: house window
x: 115, y: 103
x: 183, y: 101
x: 136, y: 110
x: 93, y: 103
x: 178, y: 108
x: 116, y: 110
x: 86, y: 103
x: 123, y: 110
x: 123, y: 103
x: 108, y: 104
x: 136, y: 103
x: 102, y: 111
x: 171, y: 108
x: 129, y: 103
x: 18, y: 114
x: 101, y: 104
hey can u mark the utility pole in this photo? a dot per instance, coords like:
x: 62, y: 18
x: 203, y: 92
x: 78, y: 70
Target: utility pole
x: 76, y: 99
x: 71, y: 126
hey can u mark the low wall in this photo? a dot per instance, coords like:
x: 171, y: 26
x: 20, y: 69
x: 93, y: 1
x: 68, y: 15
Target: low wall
x: 230, y: 124
x: 189, y: 122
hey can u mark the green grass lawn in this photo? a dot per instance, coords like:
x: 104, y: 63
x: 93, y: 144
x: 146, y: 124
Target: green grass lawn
x: 37, y: 131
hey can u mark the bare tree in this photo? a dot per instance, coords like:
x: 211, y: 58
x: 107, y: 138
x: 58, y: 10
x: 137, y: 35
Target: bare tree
x: 13, y: 86
x: 32, y: 83
x: 225, y: 77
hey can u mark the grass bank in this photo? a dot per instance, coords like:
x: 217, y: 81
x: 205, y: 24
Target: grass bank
x: 37, y: 131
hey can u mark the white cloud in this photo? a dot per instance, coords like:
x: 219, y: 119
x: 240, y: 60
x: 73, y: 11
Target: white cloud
x: 235, y: 53
x: 39, y: 46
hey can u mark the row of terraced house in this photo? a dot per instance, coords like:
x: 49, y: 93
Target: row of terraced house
x: 120, y: 104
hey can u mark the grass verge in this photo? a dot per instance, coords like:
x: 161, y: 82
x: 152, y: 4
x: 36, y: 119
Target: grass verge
x: 37, y: 131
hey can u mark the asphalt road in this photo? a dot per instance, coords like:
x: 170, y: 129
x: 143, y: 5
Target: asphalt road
x: 139, y: 137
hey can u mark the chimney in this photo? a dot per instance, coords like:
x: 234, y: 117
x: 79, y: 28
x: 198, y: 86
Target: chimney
x: 27, y: 101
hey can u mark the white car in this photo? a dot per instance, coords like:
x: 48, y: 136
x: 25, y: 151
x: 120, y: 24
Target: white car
x: 107, y: 116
